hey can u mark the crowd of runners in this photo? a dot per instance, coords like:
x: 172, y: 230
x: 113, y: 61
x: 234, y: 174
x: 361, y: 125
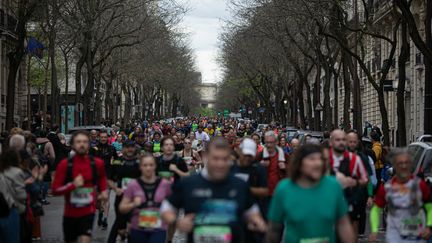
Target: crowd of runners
x: 214, y: 180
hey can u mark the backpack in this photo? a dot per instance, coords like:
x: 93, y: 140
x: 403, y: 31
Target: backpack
x: 93, y: 167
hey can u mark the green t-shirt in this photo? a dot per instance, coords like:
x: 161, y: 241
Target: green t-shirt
x: 309, y: 214
x: 194, y: 127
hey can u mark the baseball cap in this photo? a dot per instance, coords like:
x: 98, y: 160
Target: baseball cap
x: 129, y: 143
x: 248, y: 147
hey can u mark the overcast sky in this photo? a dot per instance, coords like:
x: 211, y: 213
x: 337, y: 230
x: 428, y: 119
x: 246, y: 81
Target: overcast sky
x: 204, y: 22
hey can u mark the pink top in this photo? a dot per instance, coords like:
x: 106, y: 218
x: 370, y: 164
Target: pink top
x: 134, y: 190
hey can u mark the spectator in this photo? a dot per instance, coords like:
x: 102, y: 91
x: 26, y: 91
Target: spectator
x: 12, y: 196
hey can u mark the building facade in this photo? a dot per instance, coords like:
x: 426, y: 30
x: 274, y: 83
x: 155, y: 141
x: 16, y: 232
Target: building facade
x: 8, y: 38
x: 376, y: 56
x: 207, y: 92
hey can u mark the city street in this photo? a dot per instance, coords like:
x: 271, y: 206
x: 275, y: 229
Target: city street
x: 52, y: 225
x: 52, y: 231
x: 240, y: 121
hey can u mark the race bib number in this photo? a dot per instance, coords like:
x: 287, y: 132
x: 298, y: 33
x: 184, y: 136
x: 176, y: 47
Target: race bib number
x: 212, y: 234
x: 81, y: 197
x: 315, y: 240
x: 188, y: 160
x: 149, y: 219
x: 125, y: 182
x: 411, y: 227
x: 166, y: 174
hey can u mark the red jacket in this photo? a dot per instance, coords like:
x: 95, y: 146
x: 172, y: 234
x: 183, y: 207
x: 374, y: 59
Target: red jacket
x: 81, y: 166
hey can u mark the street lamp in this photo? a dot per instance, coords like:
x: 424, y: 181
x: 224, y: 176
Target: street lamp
x: 285, y: 102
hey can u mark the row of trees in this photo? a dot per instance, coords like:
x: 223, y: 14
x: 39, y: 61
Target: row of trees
x: 112, y: 50
x: 285, y: 56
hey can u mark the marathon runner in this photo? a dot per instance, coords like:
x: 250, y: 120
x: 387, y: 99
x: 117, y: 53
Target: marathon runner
x: 217, y: 205
x: 82, y: 181
x: 123, y: 170
x: 190, y: 156
x: 349, y: 165
x: 250, y: 171
x: 310, y: 205
x: 409, y: 217
x: 170, y: 165
x: 143, y: 197
x: 107, y: 153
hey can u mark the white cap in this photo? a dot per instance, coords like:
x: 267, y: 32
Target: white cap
x: 248, y: 147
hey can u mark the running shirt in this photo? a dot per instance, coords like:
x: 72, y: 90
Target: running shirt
x: 163, y: 167
x: 147, y: 216
x: 81, y: 201
x: 106, y: 152
x: 309, y: 214
x: 218, y: 207
x: 406, y: 217
x: 123, y: 171
x: 254, y: 175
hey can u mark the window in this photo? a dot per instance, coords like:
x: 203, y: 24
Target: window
x: 419, y: 58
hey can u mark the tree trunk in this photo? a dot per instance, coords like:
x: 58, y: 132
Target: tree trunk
x: 29, y: 102
x: 403, y: 57
x: 327, y: 111
x: 54, y: 88
x: 66, y: 60
x: 45, y: 103
x: 309, y: 103
x: 78, y: 79
x: 317, y: 99
x: 336, y: 100
x: 347, y: 92
x: 357, y: 104
x: 301, y: 105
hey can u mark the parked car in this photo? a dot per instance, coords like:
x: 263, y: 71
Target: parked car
x: 425, y: 138
x: 302, y: 134
x: 421, y: 153
x: 290, y: 132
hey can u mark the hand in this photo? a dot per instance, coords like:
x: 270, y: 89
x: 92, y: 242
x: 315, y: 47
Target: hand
x: 369, y: 202
x: 137, y: 201
x: 345, y: 181
x: 103, y: 196
x: 253, y: 226
x: 29, y: 181
x: 265, y: 163
x: 78, y: 181
x: 173, y: 167
x: 373, y: 237
x: 282, y: 165
x: 363, y: 182
x: 186, y: 224
x: 426, y: 233
x: 118, y: 191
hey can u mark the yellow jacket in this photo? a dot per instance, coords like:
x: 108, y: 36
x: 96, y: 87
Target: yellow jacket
x: 377, y: 148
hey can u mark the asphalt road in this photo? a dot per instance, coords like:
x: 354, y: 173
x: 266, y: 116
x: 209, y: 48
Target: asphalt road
x: 52, y: 231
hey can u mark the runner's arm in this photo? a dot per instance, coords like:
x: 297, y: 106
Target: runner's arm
x: 361, y: 172
x: 256, y: 222
x: 168, y: 212
x: 345, y: 230
x: 274, y: 232
x: 259, y: 191
x: 128, y: 202
x: 58, y: 186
